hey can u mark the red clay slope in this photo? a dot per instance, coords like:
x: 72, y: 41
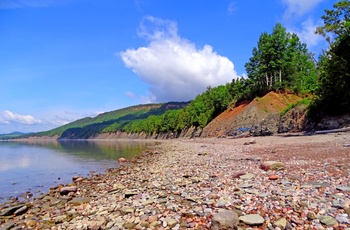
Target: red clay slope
x: 261, y: 111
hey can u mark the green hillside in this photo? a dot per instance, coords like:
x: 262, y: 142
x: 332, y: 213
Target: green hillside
x: 108, y: 122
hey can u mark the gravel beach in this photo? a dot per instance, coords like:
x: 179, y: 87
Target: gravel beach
x: 275, y: 182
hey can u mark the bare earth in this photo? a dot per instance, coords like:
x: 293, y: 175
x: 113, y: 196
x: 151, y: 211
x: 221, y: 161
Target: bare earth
x: 183, y: 184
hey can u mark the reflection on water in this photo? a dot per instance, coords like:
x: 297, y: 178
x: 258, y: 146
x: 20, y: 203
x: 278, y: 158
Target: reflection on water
x: 37, y: 165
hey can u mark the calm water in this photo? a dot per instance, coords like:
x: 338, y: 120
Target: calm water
x: 35, y: 166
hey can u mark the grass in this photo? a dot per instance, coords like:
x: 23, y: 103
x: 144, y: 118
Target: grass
x: 304, y: 101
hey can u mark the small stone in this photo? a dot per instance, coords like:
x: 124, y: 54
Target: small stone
x: 311, y: 215
x: 281, y: 223
x: 147, y: 202
x: 7, y: 225
x: 130, y: 193
x: 155, y: 224
x: 273, y: 177
x: 11, y: 210
x: 129, y: 225
x: 171, y: 223
x: 21, y: 210
x: 245, y: 185
x: 60, y: 219
x: 122, y: 160
x: 247, y: 176
x: 343, y: 219
x: 272, y: 165
x: 224, y: 220
x: 250, y: 142
x: 79, y: 200
x: 128, y: 210
x: 343, y: 188
x: 252, y: 219
x: 68, y: 189
x: 238, y: 174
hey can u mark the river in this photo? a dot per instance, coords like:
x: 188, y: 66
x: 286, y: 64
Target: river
x: 32, y: 167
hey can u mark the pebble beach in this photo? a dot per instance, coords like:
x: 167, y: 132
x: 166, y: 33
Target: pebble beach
x: 275, y: 182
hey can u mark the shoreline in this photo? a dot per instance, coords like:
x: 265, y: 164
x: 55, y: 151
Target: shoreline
x: 187, y: 183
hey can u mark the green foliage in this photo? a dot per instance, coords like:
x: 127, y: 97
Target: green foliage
x: 333, y: 94
x: 109, y: 122
x: 199, y: 113
x: 280, y: 62
x: 305, y: 101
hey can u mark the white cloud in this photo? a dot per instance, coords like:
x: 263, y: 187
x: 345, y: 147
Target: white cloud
x: 299, y: 7
x: 307, y: 33
x: 174, y: 67
x: 8, y: 117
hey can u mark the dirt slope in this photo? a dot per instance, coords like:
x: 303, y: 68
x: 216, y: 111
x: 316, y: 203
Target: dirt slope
x: 259, y: 117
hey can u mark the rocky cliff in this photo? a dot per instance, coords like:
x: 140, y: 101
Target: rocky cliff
x: 262, y: 116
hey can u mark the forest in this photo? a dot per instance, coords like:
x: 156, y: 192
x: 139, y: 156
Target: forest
x: 280, y: 62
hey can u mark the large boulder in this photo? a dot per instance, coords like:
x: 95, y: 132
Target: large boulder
x: 224, y: 220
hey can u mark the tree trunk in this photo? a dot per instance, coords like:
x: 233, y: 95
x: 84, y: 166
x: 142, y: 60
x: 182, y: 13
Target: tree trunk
x: 271, y: 78
x: 280, y: 75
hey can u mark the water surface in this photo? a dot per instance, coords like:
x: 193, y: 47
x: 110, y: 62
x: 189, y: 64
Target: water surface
x: 35, y: 166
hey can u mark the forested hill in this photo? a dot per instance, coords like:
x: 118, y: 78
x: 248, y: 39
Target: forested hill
x: 108, y: 122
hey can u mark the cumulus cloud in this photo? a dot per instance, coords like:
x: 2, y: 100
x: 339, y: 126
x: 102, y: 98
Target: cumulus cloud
x: 174, y: 68
x: 299, y: 7
x: 307, y: 33
x: 8, y: 117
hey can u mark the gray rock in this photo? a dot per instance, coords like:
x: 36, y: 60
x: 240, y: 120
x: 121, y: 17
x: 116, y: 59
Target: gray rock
x: 171, y: 223
x: 21, y: 210
x: 343, y: 218
x: 68, y: 189
x: 11, y: 210
x: 281, y: 223
x: 60, y: 219
x: 130, y: 193
x: 252, y: 219
x: 7, y: 225
x: 327, y: 220
x: 224, y: 220
x: 247, y: 176
x: 245, y: 185
x: 343, y: 188
x: 79, y: 200
x: 311, y: 215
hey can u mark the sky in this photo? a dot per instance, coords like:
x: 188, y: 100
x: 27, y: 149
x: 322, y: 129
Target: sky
x: 62, y: 60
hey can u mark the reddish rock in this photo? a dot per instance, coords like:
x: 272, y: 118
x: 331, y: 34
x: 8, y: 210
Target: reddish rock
x: 238, y: 174
x: 68, y: 189
x: 122, y: 160
x: 273, y: 177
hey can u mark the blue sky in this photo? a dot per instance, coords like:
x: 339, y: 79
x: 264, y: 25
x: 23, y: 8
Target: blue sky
x: 61, y: 60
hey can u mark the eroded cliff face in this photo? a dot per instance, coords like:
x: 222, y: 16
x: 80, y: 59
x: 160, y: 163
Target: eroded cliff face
x: 262, y: 116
